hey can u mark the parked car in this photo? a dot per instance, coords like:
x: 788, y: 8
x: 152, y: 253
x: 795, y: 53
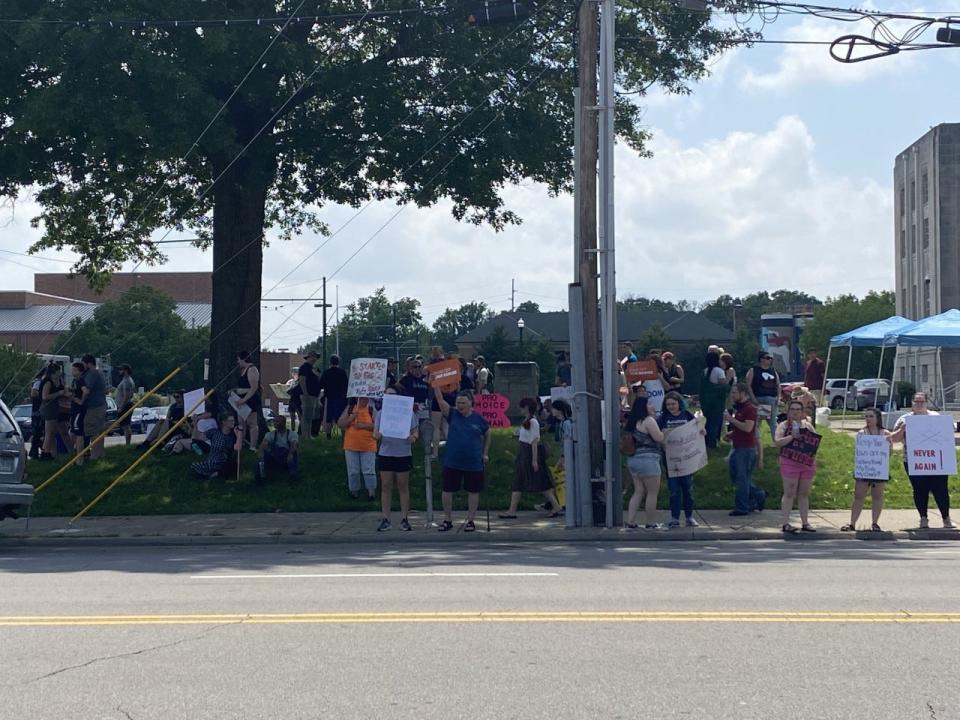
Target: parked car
x: 112, y: 414
x: 23, y: 414
x: 869, y: 392
x: 15, y: 493
x: 835, y: 391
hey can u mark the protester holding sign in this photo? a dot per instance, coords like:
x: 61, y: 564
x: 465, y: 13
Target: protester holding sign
x: 797, y: 476
x: 867, y: 477
x: 923, y: 484
x: 531, y: 473
x: 464, y: 458
x: 395, y: 456
x: 681, y: 487
x: 359, y: 447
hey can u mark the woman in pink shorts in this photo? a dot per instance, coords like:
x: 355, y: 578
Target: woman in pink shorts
x: 797, y: 477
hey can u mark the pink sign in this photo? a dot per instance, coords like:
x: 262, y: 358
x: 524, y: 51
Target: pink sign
x: 493, y: 408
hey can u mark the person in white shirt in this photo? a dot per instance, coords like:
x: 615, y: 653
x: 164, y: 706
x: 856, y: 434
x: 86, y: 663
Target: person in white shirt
x: 531, y: 473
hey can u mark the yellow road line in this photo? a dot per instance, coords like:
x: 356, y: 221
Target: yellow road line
x: 749, y: 616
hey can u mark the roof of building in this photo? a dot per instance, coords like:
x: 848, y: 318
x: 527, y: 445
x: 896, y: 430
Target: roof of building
x: 680, y: 326
x: 57, y: 318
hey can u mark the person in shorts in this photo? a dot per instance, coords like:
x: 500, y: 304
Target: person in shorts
x: 123, y: 396
x: 797, y: 477
x: 395, y: 460
x: 465, y: 455
x: 94, y: 402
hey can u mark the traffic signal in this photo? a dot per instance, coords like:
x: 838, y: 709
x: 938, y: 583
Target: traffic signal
x: 498, y: 13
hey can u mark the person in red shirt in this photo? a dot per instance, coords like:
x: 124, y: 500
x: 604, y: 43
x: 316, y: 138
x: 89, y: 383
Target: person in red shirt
x: 742, y: 434
x: 813, y: 375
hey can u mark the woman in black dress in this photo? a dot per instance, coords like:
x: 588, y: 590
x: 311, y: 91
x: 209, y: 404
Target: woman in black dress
x: 248, y: 389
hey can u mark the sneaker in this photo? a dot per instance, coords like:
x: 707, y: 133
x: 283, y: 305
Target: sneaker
x: 692, y: 522
x: 737, y: 513
x: 949, y: 524
x: 654, y: 526
x: 673, y: 524
x: 384, y: 525
x: 405, y: 525
x: 924, y: 523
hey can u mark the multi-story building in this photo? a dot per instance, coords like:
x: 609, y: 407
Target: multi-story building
x: 927, y: 235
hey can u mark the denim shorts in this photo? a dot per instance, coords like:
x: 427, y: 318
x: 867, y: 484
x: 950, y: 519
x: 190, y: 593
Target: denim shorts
x: 644, y: 464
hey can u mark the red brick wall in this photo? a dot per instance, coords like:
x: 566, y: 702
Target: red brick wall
x: 192, y: 287
x: 39, y: 342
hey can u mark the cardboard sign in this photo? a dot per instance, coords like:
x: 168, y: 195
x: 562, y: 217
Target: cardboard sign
x: 640, y: 371
x: 685, y: 448
x: 445, y: 374
x: 803, y: 449
x: 396, y: 416
x: 929, y: 446
x: 871, y: 460
x: 368, y: 378
x: 493, y: 408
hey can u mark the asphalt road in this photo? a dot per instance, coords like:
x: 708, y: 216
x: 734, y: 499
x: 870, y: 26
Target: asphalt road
x: 738, y: 630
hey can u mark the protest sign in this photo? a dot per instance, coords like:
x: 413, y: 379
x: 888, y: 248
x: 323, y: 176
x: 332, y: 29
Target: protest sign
x: 281, y: 391
x: 193, y: 402
x: 493, y: 409
x: 871, y: 461
x: 803, y: 449
x: 655, y: 393
x: 640, y: 371
x: 685, y: 449
x: 368, y: 378
x: 444, y: 374
x: 395, y: 416
x: 239, y: 406
x: 929, y: 447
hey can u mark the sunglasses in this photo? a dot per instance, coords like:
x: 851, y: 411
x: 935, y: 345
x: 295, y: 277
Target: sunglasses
x: 766, y: 357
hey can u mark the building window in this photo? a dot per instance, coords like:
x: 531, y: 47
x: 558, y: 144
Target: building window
x: 926, y: 299
x: 924, y: 373
x: 913, y: 240
x: 903, y: 201
x: 913, y: 194
x: 924, y: 188
x: 916, y: 300
x: 926, y: 232
x: 903, y: 244
x: 903, y: 301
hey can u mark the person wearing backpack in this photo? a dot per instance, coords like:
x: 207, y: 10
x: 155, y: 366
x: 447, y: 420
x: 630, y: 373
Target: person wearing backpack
x: 644, y: 461
x: 278, y: 449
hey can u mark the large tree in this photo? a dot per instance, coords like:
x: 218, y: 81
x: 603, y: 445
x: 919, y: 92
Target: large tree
x: 454, y: 322
x: 374, y: 103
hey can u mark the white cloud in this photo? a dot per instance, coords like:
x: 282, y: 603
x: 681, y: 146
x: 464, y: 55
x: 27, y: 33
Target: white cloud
x: 739, y: 213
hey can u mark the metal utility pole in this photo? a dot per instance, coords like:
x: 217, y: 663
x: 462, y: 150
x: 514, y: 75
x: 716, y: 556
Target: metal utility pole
x: 336, y: 329
x: 611, y: 378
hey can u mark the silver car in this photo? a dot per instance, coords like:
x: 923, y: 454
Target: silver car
x: 15, y: 494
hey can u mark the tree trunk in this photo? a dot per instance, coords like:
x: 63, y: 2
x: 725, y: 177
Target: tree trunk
x: 238, y: 217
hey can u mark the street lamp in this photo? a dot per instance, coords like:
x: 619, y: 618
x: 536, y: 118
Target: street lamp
x: 520, y: 326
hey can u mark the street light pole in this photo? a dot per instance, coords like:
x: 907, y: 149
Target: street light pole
x: 520, y: 325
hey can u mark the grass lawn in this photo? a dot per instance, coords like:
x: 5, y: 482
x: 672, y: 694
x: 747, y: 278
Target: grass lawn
x: 165, y: 485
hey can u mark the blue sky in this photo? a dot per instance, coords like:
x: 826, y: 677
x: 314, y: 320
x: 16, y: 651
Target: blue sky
x: 776, y: 172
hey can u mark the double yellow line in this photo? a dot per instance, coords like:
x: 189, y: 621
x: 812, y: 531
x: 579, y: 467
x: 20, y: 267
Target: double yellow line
x: 334, y: 618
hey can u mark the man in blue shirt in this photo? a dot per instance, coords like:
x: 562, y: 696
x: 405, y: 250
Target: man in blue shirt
x: 464, y: 457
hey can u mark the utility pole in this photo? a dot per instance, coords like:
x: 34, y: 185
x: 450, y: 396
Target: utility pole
x: 336, y: 330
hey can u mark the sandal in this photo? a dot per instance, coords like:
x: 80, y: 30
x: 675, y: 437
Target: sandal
x: 468, y: 526
x: 507, y: 516
x: 875, y: 528
x: 445, y: 526
x: 790, y: 529
x: 849, y: 527
x: 556, y: 514
x: 808, y: 528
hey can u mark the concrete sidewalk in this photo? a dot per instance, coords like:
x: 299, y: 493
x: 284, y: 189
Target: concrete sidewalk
x: 312, y: 528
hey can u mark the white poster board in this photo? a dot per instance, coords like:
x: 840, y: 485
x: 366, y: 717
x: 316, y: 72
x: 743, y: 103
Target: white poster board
x: 367, y: 378
x: 685, y: 448
x: 239, y: 406
x: 871, y: 460
x: 191, y: 398
x: 562, y: 392
x: 929, y: 445
x: 655, y: 393
x: 396, y: 416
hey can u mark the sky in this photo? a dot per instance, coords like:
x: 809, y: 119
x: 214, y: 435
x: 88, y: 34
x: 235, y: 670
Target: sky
x: 776, y: 172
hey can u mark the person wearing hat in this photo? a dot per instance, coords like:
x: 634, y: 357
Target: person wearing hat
x: 309, y: 384
x: 674, y: 372
x: 123, y: 396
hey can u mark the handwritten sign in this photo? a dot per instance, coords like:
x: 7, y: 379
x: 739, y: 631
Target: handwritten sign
x: 445, y: 374
x: 493, y: 408
x: 871, y: 460
x: 368, y: 378
x: 640, y: 371
x: 803, y: 449
x: 396, y: 416
x: 929, y: 445
x: 685, y: 449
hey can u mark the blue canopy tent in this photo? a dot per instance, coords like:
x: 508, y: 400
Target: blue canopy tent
x: 872, y: 335
x: 937, y: 331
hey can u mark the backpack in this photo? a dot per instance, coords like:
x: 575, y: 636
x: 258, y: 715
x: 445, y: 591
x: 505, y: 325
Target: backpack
x: 628, y: 444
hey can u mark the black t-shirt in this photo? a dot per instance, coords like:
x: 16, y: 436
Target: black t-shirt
x: 313, y: 380
x: 415, y: 387
x: 334, y: 382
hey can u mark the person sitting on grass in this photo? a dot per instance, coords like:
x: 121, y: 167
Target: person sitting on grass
x: 174, y: 415
x: 278, y: 449
x: 222, y: 440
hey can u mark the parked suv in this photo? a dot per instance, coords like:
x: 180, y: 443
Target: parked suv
x: 868, y: 393
x: 835, y: 391
x: 23, y: 414
x: 15, y: 493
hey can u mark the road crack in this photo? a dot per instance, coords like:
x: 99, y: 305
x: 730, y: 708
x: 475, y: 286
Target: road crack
x: 127, y: 715
x: 134, y: 653
x: 933, y: 713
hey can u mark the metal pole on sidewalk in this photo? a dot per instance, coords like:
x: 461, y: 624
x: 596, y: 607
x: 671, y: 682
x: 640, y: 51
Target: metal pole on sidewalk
x: 579, y: 474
